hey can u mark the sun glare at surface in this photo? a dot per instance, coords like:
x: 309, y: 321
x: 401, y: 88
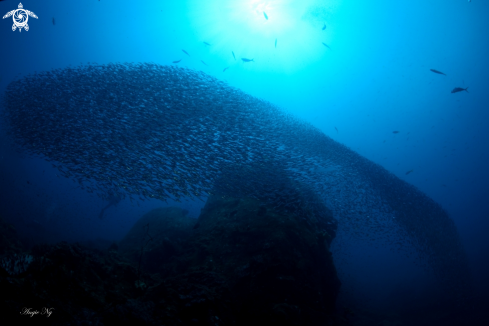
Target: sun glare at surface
x: 277, y: 34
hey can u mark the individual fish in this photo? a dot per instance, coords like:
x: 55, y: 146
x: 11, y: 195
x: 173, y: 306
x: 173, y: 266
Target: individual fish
x: 247, y: 60
x: 225, y: 69
x: 437, y: 72
x: 265, y: 14
x: 113, y: 201
x: 275, y: 43
x: 177, y: 61
x: 326, y: 45
x: 337, y: 130
x: 233, y: 55
x: 54, y: 21
x: 409, y: 172
x: 324, y: 27
x: 185, y: 52
x: 459, y: 89
x: 207, y: 44
x: 204, y: 62
x: 395, y: 132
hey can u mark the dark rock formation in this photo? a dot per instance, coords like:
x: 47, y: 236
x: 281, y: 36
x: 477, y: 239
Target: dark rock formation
x: 9, y: 242
x: 248, y: 264
x: 242, y: 263
x: 157, y: 237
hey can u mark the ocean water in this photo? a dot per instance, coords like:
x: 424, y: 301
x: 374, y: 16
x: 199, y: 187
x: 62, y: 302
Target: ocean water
x: 361, y: 72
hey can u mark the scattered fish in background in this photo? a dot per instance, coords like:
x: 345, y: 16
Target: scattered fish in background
x: 233, y: 55
x: 324, y: 27
x: 265, y: 14
x: 54, y: 22
x: 409, y: 172
x: 225, y: 69
x: 204, y: 63
x: 207, y: 44
x: 437, y: 72
x: 326, y: 45
x: 247, y: 60
x: 337, y: 130
x: 459, y: 89
x: 395, y: 132
x: 177, y: 61
x: 185, y: 52
x: 275, y: 43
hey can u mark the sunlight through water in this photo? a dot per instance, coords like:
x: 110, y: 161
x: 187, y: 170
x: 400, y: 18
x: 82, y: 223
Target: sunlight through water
x: 278, y: 34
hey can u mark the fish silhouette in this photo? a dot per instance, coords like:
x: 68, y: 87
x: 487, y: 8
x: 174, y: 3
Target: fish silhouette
x: 113, y: 201
x: 437, y: 72
x: 459, y: 89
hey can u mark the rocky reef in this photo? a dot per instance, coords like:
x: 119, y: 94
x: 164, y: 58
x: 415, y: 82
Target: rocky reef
x: 239, y: 263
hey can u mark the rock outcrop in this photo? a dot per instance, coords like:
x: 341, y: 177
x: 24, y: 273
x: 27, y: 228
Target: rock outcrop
x: 245, y: 264
x: 240, y: 263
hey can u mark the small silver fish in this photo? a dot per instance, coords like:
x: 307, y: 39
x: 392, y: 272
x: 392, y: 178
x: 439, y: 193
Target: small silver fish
x: 326, y: 45
x: 185, y: 52
x: 233, y: 55
x: 324, y: 27
x: 247, y: 60
x: 177, y: 61
x: 265, y: 14
x: 225, y: 69
x: 204, y: 62
x: 207, y: 44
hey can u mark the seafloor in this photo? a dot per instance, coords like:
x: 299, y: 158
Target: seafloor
x: 239, y: 263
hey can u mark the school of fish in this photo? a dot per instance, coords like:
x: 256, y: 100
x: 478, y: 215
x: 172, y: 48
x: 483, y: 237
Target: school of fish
x: 143, y: 130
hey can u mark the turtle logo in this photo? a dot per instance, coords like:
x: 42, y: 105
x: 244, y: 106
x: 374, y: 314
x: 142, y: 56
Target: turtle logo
x: 20, y: 17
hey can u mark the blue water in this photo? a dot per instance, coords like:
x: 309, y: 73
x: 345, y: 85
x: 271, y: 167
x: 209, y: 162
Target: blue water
x: 372, y: 79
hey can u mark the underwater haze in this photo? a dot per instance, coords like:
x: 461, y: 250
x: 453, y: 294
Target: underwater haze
x: 381, y: 108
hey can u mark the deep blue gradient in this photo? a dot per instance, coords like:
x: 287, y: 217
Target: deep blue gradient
x: 372, y: 79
